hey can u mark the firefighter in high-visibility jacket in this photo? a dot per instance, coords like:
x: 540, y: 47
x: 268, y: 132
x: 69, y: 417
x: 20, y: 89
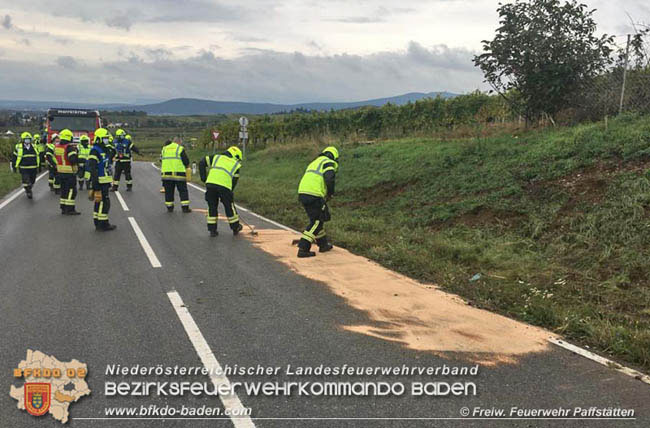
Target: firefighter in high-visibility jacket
x: 53, y: 177
x: 26, y: 160
x: 40, y: 146
x: 65, y: 153
x: 220, y: 173
x: 124, y: 149
x: 99, y: 167
x: 315, y: 189
x: 84, y: 150
x: 175, y: 172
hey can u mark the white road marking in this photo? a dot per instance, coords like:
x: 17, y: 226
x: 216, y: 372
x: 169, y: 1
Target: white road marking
x: 601, y: 360
x: 210, y: 362
x: 18, y: 192
x: 119, y: 198
x: 240, y: 208
x: 145, y: 244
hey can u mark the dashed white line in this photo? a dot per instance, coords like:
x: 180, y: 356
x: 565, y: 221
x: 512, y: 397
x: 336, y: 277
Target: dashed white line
x: 145, y: 244
x: 18, y: 193
x: 122, y: 202
x: 601, y: 360
x: 210, y: 362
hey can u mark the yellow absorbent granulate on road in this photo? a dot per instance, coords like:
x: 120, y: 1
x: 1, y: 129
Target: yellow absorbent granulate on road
x: 419, y: 316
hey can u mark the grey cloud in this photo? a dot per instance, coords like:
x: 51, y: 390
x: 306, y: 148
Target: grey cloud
x: 259, y: 75
x: 159, y: 54
x: 67, y: 62
x: 25, y: 41
x: 6, y: 22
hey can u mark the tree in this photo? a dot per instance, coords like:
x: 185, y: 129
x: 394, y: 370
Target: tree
x: 543, y: 53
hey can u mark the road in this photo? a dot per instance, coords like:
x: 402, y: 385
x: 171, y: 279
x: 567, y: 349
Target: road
x: 74, y: 293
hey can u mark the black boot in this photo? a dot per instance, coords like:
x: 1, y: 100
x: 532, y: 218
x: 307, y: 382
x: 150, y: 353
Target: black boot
x: 170, y: 209
x: 304, y: 249
x: 57, y: 191
x: 114, y: 188
x: 108, y: 227
x: 129, y: 187
x: 323, y: 245
x: 214, y: 234
x: 81, y: 185
x: 28, y: 192
x: 186, y: 209
x: 72, y: 211
x: 237, y: 228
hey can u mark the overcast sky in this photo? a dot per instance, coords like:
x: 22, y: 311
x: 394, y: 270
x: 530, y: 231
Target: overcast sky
x: 285, y: 51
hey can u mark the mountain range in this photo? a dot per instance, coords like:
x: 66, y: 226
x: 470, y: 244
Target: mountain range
x: 193, y: 106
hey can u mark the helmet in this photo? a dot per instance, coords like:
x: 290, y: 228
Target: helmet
x: 128, y: 137
x: 235, y: 152
x: 84, y: 138
x: 333, y: 151
x: 100, y: 134
x: 66, y: 135
x: 36, y: 136
x: 120, y: 132
x: 26, y: 136
x: 55, y: 136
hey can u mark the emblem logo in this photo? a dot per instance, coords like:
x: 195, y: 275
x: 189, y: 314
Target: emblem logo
x: 37, y: 398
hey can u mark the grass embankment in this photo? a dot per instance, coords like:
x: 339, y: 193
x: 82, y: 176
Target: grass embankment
x: 557, y: 222
x: 8, y: 180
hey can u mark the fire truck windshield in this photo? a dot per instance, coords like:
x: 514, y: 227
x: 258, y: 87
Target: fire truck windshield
x: 58, y: 123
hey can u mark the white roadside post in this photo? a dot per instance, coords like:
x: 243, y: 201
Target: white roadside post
x: 243, y: 132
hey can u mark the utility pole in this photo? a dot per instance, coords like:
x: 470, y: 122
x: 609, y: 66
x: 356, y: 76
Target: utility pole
x: 627, y: 55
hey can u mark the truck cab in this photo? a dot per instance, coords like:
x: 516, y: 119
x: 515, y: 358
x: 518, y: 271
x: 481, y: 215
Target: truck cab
x: 79, y: 121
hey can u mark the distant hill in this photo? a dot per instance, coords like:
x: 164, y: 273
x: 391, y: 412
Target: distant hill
x: 193, y: 106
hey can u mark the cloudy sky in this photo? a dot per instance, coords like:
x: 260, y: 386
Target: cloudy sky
x: 284, y: 51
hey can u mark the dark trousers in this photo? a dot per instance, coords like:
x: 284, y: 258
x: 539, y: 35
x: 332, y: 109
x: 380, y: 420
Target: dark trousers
x: 102, y: 207
x: 28, y: 177
x: 318, y: 214
x: 126, y: 168
x: 68, y: 191
x: 169, y: 186
x: 81, y: 175
x: 53, y: 178
x: 213, y: 195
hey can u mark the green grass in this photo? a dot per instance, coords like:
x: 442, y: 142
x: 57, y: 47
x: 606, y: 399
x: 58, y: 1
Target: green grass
x: 8, y: 180
x: 556, y: 221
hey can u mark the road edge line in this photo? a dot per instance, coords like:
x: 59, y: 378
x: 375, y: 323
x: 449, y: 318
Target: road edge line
x: 246, y: 210
x: 231, y: 401
x: 17, y: 192
x: 600, y: 360
x: 153, y: 259
x: 122, y: 202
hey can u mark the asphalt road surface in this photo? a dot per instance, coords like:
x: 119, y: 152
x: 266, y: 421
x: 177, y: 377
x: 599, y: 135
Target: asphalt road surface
x: 74, y: 293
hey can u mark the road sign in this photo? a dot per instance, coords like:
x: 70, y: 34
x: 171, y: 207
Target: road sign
x: 215, y: 135
x: 243, y: 121
x: 243, y: 135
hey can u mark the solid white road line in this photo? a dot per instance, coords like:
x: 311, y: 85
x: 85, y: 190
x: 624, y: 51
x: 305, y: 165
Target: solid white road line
x: 119, y: 198
x: 240, y: 208
x: 210, y: 362
x: 601, y: 360
x: 18, y: 192
x: 145, y: 244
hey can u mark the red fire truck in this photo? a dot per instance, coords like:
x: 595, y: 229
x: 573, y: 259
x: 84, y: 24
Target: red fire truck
x: 79, y: 121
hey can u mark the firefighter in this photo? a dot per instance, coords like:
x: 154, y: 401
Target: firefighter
x: 123, y: 154
x: 315, y: 189
x: 99, y: 167
x: 40, y: 146
x: 220, y: 173
x: 84, y: 150
x: 175, y: 172
x: 67, y: 157
x: 53, y: 177
x: 26, y: 160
